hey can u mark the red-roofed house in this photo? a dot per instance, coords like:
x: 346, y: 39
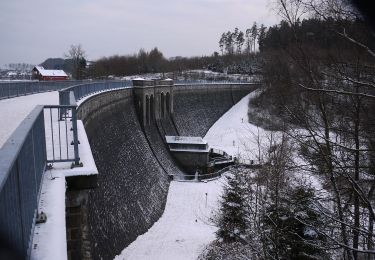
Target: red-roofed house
x: 40, y: 73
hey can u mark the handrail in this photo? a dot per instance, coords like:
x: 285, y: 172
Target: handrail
x: 23, y: 160
x: 82, y: 90
x: 22, y: 163
x: 16, y: 89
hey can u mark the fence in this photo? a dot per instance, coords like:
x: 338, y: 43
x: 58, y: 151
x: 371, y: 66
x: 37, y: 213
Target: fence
x: 15, y: 89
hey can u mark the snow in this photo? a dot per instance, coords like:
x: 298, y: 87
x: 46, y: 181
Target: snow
x: 184, y: 140
x: 14, y: 110
x: 184, y: 228
x: 48, y: 73
x: 233, y: 134
x: 49, y: 240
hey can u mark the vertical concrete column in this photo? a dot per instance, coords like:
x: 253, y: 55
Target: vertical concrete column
x: 148, y: 119
x: 165, y: 106
x: 171, y: 100
x: 144, y: 109
x: 162, y: 108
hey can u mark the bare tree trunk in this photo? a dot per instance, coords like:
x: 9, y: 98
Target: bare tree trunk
x: 356, y: 177
x: 328, y: 159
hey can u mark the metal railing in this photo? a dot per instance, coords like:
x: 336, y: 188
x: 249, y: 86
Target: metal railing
x: 16, y: 89
x: 197, y: 82
x: 22, y: 163
x: 61, y: 134
x: 42, y: 137
x: 86, y: 89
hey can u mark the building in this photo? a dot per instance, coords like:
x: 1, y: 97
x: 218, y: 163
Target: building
x: 192, y: 153
x: 40, y: 73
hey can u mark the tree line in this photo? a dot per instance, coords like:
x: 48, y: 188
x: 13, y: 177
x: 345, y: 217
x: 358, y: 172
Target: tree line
x: 238, y: 42
x: 313, y: 197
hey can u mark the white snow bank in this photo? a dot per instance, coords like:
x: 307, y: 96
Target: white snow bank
x: 185, y: 227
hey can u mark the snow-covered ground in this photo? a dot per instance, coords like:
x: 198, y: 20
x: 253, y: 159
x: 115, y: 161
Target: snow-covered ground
x: 14, y: 110
x: 235, y: 135
x: 185, y: 227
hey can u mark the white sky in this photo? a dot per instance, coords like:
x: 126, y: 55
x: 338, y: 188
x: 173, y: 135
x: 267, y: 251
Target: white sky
x: 32, y: 31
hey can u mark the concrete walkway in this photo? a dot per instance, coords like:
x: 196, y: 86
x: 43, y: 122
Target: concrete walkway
x: 14, y: 110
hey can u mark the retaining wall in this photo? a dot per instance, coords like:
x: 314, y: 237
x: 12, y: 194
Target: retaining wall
x: 132, y: 187
x: 198, y: 106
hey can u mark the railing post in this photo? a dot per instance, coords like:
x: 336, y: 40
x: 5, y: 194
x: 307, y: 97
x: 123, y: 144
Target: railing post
x: 75, y: 136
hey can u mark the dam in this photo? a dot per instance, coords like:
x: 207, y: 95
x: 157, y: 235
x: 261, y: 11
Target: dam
x: 126, y: 129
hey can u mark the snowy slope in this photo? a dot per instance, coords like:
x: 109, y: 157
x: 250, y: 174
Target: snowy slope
x: 233, y: 134
x: 184, y: 229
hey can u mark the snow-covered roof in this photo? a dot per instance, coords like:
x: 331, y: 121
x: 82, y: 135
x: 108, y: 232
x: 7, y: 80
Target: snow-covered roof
x: 184, y: 140
x: 50, y: 73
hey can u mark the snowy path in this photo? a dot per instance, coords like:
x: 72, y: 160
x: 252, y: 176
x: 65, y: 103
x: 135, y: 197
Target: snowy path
x: 14, y: 110
x: 184, y: 228
x: 233, y: 134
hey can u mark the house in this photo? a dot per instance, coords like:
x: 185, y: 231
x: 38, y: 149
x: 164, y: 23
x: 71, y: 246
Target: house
x: 40, y: 73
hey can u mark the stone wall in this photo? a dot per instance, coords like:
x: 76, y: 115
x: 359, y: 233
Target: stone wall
x: 132, y: 186
x: 197, y: 107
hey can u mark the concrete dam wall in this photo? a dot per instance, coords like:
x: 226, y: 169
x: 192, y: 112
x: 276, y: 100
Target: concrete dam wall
x: 133, y: 161
x: 198, y: 107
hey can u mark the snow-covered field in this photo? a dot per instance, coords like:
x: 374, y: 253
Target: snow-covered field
x: 185, y: 227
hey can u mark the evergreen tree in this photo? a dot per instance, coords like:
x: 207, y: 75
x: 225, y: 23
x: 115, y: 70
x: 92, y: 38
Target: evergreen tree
x: 261, y: 36
x: 232, y: 222
x: 291, y: 227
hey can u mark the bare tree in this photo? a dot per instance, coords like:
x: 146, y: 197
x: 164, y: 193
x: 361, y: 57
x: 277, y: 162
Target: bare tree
x: 78, y: 58
x: 337, y: 88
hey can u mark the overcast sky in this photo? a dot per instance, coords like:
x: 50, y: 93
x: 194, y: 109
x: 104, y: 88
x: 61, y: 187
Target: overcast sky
x: 33, y: 30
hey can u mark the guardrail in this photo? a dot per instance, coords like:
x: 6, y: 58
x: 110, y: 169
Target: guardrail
x: 16, y: 89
